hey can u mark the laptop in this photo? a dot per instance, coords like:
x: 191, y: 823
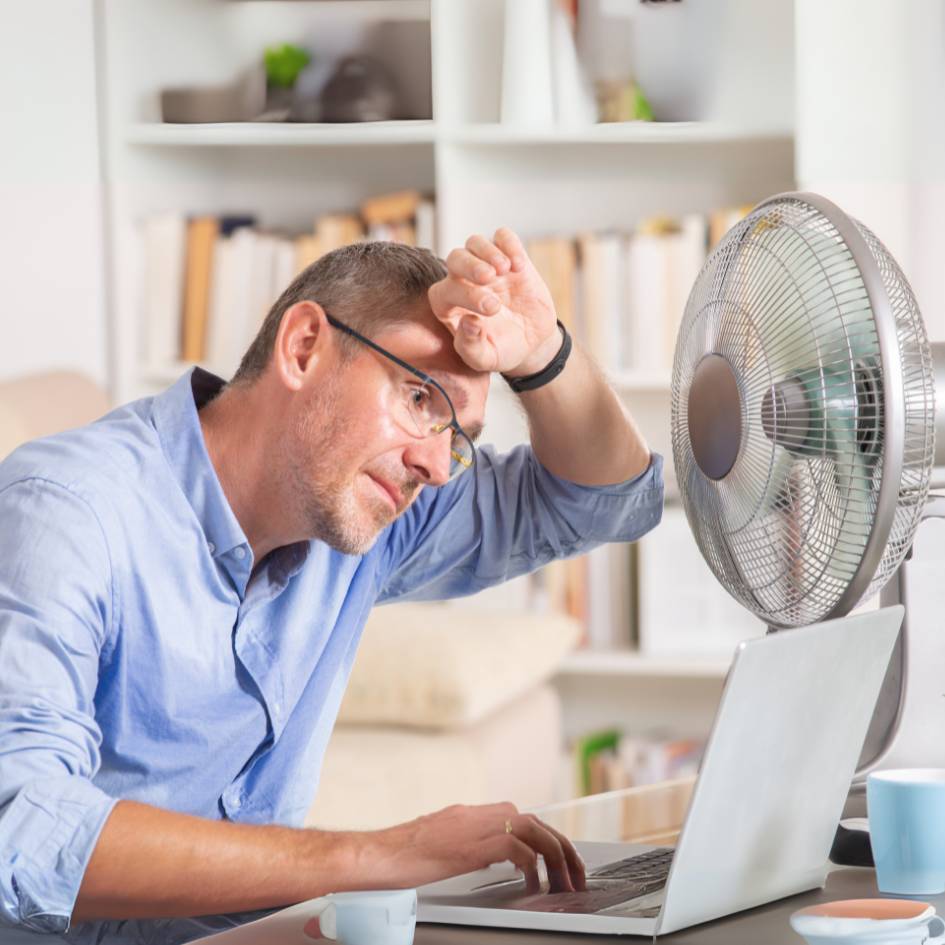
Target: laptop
x: 771, y: 788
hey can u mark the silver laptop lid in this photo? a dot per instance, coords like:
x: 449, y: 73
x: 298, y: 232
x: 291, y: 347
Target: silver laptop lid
x: 778, y: 765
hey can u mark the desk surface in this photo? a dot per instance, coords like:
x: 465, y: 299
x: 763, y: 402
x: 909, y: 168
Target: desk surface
x: 766, y: 925
x: 659, y: 810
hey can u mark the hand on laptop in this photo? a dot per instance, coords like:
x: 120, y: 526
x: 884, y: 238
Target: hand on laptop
x: 461, y: 839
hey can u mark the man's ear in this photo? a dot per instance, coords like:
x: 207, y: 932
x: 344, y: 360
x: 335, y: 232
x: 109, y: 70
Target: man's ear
x: 302, y: 342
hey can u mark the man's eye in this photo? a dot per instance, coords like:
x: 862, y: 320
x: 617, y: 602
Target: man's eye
x: 419, y: 396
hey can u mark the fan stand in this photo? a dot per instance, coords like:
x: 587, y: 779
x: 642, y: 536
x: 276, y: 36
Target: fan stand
x: 908, y: 725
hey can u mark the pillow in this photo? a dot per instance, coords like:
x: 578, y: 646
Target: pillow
x: 437, y: 666
x: 41, y: 404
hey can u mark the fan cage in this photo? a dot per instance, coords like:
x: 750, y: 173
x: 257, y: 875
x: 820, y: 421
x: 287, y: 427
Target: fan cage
x: 785, y: 298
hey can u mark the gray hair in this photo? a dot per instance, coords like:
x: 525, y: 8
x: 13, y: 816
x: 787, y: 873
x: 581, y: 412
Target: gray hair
x: 368, y: 286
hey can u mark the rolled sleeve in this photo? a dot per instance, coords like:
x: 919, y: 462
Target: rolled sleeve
x: 55, y: 611
x: 506, y: 519
x: 47, y: 834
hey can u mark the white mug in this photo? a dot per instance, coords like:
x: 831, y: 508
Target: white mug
x: 870, y: 922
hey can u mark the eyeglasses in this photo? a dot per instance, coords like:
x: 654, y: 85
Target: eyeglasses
x: 422, y: 409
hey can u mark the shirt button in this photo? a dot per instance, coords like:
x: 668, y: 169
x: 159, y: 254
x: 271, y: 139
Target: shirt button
x: 237, y: 802
x: 211, y: 546
x: 240, y: 553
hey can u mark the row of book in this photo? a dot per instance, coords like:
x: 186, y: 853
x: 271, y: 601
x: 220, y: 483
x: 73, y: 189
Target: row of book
x: 208, y: 281
x: 656, y: 597
x: 623, y: 294
x: 610, y: 760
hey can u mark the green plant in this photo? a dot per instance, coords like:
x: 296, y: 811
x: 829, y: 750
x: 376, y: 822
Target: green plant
x: 284, y: 63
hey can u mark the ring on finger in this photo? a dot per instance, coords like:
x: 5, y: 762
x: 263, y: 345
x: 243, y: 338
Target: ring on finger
x: 508, y: 825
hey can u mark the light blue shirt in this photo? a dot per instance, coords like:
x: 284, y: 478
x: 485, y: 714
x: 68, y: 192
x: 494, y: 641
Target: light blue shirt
x: 141, y: 659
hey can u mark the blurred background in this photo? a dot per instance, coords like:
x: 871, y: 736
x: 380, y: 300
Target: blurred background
x: 169, y: 165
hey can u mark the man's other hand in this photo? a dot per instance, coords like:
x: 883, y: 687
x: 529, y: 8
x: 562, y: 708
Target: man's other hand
x: 497, y: 306
x: 461, y: 839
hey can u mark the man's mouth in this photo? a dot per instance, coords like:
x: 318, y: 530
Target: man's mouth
x: 389, y: 491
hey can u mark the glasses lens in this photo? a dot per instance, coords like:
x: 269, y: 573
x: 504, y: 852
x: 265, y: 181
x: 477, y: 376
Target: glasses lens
x: 428, y: 410
x: 462, y: 454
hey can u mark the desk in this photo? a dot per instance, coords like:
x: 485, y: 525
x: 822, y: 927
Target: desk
x: 766, y: 925
x: 655, y: 814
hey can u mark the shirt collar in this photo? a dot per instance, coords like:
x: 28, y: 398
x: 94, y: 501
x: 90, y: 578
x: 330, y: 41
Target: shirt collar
x: 177, y: 423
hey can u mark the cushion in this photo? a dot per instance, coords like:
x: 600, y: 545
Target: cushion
x: 443, y: 667
x: 375, y: 776
x: 41, y: 404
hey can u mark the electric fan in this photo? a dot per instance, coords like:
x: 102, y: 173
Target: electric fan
x: 803, y: 431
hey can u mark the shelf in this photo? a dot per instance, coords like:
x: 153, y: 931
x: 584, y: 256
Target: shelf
x: 424, y: 131
x: 281, y: 134
x: 626, y: 663
x: 631, y: 132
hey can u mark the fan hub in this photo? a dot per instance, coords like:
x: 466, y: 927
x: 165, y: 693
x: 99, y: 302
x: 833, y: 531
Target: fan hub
x: 715, y: 416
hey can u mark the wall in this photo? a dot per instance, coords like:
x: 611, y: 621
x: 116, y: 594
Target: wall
x: 870, y: 80
x: 51, y: 261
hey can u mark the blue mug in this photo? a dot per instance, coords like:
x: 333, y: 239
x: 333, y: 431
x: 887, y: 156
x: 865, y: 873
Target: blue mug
x: 906, y: 811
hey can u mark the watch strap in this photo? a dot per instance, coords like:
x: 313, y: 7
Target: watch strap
x: 549, y: 372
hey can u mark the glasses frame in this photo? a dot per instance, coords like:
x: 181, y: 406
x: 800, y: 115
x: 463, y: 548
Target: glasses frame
x: 423, y: 376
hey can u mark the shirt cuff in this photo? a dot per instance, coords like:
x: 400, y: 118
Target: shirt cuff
x: 624, y: 511
x: 47, y: 834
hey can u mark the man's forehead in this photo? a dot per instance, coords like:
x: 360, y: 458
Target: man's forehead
x: 430, y: 348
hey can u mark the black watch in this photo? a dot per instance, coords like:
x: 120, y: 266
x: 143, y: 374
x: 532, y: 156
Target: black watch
x: 549, y: 373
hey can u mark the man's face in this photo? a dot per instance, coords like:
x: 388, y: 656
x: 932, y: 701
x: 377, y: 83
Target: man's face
x: 354, y: 467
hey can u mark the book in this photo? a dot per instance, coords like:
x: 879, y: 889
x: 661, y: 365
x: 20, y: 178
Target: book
x: 555, y: 258
x: 164, y: 248
x: 425, y: 225
x: 647, y: 274
x: 262, y: 277
x: 334, y: 230
x: 684, y: 611
x: 687, y: 248
x: 398, y: 207
x: 219, y: 355
x: 601, y: 300
x: 610, y: 596
x: 230, y: 322
x: 201, y: 237
x: 307, y: 250
x: 283, y: 267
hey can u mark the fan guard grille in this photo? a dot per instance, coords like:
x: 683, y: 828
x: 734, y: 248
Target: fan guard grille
x: 799, y: 298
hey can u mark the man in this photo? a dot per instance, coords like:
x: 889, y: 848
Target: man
x: 183, y: 585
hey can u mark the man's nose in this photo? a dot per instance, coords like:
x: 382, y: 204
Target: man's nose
x: 429, y: 458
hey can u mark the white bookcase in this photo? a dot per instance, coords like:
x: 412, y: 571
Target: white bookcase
x: 732, y: 58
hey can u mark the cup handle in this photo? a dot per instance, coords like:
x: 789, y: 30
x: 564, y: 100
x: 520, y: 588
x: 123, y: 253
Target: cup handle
x: 936, y: 931
x: 322, y: 924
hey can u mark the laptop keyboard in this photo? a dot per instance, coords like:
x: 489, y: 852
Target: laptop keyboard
x: 608, y: 885
x: 648, y: 870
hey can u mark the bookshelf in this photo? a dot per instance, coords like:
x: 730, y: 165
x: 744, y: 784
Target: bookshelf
x: 282, y: 134
x: 736, y: 146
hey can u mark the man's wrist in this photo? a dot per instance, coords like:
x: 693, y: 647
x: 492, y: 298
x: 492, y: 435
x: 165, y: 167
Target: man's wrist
x: 521, y: 380
x: 540, y: 358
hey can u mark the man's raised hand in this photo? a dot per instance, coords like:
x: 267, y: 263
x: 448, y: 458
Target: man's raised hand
x: 497, y: 306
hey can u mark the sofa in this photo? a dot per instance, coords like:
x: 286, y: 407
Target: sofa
x: 447, y: 703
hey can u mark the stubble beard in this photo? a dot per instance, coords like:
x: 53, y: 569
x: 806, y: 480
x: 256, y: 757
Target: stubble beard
x: 325, y: 493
